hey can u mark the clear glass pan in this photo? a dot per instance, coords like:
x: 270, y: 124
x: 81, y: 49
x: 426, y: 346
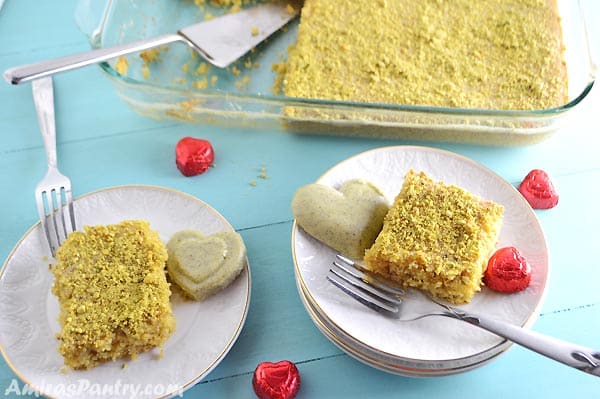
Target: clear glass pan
x: 242, y: 96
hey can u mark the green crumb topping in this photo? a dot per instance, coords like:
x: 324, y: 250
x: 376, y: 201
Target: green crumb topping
x: 489, y: 54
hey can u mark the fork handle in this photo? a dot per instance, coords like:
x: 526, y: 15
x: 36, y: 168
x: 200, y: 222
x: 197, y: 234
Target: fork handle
x: 43, y: 97
x: 576, y: 356
x: 38, y: 70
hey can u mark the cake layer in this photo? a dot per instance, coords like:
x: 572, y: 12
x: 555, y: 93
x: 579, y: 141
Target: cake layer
x: 114, y: 297
x: 436, y: 237
x: 488, y: 54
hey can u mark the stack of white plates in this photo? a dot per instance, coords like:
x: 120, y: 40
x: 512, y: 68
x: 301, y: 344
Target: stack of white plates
x: 434, y: 345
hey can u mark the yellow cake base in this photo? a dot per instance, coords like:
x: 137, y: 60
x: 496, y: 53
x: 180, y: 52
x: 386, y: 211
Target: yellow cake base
x: 114, y: 297
x: 436, y: 238
x: 488, y: 54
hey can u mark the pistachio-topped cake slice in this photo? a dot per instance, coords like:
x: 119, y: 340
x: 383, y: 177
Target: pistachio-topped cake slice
x: 113, y: 293
x: 436, y: 237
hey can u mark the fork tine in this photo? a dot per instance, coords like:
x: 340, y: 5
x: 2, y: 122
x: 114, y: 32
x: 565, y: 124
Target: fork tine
x: 352, y: 268
x: 370, y: 289
x: 53, y: 193
x: 367, y: 290
x: 70, y: 209
x: 53, y: 214
x: 56, y: 213
x: 45, y: 212
x: 59, y: 216
x: 64, y: 210
x: 42, y: 204
x: 365, y: 299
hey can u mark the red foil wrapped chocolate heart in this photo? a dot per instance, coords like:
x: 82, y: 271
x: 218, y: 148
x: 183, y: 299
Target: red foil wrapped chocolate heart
x: 193, y: 156
x: 538, y: 190
x: 279, y: 380
x: 507, y: 271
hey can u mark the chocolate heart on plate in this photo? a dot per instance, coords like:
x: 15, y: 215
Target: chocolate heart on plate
x: 348, y: 219
x: 279, y: 380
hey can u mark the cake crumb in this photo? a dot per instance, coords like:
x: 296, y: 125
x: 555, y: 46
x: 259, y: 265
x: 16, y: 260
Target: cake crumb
x: 150, y: 55
x: 189, y: 105
x: 185, y: 111
x: 203, y: 68
x: 201, y: 84
x: 122, y: 65
x: 279, y: 69
x: 263, y: 173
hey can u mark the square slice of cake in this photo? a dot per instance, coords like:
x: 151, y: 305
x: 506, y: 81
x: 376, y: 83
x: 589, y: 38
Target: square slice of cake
x: 113, y: 294
x: 437, y: 238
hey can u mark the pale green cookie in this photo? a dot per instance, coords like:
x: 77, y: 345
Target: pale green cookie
x: 348, y: 219
x: 203, y: 265
x: 202, y: 257
x: 180, y: 236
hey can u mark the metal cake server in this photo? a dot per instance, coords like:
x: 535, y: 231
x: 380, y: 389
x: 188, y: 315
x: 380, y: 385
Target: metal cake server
x: 220, y: 41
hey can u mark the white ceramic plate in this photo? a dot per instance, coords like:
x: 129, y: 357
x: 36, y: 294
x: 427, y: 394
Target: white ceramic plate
x: 432, y: 342
x: 389, y: 363
x: 205, y: 330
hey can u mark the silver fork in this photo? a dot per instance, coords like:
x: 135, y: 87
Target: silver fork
x: 53, y: 192
x: 387, y: 300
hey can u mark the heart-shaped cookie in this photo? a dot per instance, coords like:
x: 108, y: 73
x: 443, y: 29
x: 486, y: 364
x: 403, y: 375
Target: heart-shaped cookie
x: 202, y: 265
x: 198, y: 259
x: 279, y: 380
x: 348, y: 219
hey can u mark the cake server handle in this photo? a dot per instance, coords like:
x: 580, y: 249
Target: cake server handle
x: 576, y: 356
x: 29, y: 72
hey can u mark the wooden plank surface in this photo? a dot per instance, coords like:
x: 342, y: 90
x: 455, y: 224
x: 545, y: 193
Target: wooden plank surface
x: 102, y: 143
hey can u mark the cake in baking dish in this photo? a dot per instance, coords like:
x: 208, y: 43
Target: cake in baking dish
x: 113, y: 294
x: 488, y: 54
x: 437, y: 238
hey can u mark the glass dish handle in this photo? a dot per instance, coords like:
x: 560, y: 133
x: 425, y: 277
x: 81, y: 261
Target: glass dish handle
x: 592, y: 40
x: 91, y: 17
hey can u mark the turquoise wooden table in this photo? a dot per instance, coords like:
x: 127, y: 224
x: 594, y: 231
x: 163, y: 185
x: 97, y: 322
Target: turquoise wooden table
x: 101, y: 143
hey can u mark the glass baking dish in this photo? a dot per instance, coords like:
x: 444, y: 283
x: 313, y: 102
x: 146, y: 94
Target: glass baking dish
x: 179, y: 86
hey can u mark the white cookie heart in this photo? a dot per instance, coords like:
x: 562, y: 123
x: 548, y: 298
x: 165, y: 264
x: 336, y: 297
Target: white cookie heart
x: 203, y: 265
x: 348, y: 219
